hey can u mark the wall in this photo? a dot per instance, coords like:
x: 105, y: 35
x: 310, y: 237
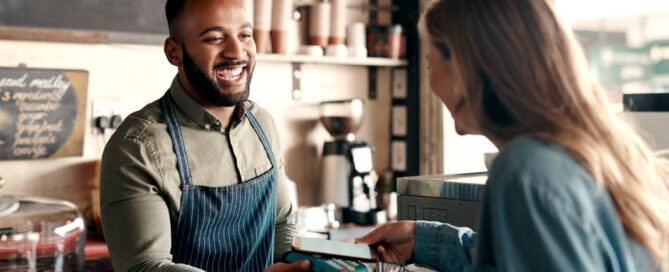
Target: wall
x: 138, y: 74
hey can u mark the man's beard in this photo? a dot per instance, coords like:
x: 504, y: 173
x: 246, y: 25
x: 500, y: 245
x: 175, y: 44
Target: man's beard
x: 208, y: 88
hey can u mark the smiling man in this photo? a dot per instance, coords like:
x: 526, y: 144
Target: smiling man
x: 195, y: 180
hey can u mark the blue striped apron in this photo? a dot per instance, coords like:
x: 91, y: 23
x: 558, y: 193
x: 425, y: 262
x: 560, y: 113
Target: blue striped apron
x: 227, y: 228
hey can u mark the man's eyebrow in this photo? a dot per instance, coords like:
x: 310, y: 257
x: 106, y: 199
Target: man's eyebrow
x: 211, y: 28
x: 220, y: 29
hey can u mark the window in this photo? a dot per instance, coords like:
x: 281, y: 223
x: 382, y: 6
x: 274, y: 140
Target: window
x: 627, y: 45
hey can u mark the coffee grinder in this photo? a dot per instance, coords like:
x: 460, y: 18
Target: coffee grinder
x: 348, y: 178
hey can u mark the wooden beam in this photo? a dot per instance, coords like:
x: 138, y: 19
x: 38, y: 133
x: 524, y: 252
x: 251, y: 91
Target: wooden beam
x: 52, y: 35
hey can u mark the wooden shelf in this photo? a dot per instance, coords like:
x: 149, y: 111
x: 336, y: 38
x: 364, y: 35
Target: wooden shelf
x: 52, y: 35
x: 377, y: 62
x: 364, y: 6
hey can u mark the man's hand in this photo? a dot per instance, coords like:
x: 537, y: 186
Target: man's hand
x: 303, y: 265
x: 394, y: 241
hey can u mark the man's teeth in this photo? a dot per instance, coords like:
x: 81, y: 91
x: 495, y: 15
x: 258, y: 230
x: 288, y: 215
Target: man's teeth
x: 230, y: 73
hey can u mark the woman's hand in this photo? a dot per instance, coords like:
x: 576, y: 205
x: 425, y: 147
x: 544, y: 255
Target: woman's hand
x: 302, y: 265
x: 394, y: 241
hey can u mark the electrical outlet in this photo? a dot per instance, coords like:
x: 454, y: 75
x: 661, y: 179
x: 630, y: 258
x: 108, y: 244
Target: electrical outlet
x: 106, y: 110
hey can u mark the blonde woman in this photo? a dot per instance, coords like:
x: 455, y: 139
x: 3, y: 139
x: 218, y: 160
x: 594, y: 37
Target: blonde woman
x: 573, y: 187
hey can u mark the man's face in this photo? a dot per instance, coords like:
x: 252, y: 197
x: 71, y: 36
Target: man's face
x: 218, y: 51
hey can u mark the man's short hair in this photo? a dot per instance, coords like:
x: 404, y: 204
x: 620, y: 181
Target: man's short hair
x: 173, y: 9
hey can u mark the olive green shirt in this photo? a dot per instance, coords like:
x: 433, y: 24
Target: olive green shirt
x: 140, y: 193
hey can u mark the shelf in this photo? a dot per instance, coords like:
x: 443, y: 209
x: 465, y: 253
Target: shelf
x: 364, y: 6
x: 297, y: 60
x: 378, y: 62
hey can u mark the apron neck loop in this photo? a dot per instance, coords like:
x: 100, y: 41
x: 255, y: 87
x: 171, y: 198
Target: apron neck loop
x: 263, y: 138
x: 167, y: 109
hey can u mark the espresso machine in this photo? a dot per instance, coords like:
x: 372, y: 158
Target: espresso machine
x: 348, y: 177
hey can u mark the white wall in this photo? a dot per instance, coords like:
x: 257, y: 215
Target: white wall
x: 138, y: 74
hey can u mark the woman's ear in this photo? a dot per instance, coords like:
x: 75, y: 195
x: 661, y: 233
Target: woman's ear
x: 173, y: 51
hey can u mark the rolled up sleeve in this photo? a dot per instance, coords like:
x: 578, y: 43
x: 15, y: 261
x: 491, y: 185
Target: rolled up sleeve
x: 285, y: 227
x: 135, y: 218
x: 443, y: 246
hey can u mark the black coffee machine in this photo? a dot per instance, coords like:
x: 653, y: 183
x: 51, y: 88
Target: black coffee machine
x: 348, y: 177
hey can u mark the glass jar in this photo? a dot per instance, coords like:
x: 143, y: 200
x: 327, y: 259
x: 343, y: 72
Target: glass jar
x: 42, y: 235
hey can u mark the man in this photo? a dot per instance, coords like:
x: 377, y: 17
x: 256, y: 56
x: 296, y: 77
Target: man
x: 195, y: 181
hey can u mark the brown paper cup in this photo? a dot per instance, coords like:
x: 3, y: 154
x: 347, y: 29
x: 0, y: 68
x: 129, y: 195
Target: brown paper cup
x: 279, y: 39
x: 261, y: 38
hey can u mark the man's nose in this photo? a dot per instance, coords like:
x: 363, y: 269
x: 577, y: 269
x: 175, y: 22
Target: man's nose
x: 234, y: 50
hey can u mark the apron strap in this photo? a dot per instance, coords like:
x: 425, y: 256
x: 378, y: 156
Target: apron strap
x: 261, y: 135
x: 167, y: 109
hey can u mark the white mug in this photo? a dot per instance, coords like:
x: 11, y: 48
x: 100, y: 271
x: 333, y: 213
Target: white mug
x: 336, y: 50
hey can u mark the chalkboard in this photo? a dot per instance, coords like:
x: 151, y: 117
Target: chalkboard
x: 140, y: 16
x: 42, y: 113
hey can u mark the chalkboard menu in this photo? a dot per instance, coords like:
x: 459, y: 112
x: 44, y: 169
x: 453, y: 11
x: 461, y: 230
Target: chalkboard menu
x: 42, y: 113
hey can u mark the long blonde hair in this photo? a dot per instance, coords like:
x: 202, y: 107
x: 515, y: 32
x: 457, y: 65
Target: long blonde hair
x: 524, y: 74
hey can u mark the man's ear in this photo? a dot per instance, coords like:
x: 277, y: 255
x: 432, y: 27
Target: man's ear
x: 172, y: 50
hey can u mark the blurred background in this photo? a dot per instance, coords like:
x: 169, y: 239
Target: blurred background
x: 627, y: 45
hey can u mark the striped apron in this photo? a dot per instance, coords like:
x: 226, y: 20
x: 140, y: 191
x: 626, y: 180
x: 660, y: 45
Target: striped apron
x: 227, y: 228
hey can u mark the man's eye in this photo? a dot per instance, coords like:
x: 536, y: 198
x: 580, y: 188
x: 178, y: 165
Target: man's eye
x: 245, y: 36
x: 214, y: 39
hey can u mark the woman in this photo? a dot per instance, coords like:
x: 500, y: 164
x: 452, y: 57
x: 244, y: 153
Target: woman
x: 573, y: 188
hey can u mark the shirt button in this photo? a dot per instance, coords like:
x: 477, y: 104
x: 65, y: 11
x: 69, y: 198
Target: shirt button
x: 217, y: 123
x: 207, y: 126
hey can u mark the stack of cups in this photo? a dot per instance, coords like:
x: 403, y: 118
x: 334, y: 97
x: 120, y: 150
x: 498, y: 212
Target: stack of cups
x: 248, y: 7
x: 319, y: 25
x: 338, y: 22
x: 262, y: 16
x: 357, y: 47
x: 281, y: 14
x: 336, y: 47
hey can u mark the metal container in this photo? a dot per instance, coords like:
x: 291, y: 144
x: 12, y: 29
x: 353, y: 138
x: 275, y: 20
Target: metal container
x: 342, y: 118
x: 453, y: 199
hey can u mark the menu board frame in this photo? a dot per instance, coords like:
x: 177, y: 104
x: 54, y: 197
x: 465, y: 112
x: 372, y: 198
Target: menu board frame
x: 42, y: 112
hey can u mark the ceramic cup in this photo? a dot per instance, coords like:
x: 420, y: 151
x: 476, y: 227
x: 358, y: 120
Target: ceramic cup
x: 336, y: 50
x: 311, y: 50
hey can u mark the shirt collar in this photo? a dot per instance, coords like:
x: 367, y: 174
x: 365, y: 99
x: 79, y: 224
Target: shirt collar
x: 193, y: 110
